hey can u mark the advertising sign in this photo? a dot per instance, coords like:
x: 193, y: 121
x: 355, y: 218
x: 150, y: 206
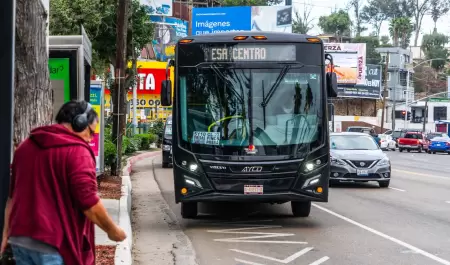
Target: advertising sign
x: 220, y: 19
x: 59, y: 69
x: 272, y: 18
x: 158, y: 7
x: 349, y: 61
x: 168, y: 31
x: 96, y: 102
x: 243, y: 18
x: 371, y: 87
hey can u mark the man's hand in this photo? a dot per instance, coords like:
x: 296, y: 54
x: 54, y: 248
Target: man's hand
x: 4, y: 244
x: 117, y: 235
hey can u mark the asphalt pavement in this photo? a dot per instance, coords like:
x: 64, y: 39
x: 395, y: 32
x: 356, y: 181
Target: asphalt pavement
x: 408, y: 223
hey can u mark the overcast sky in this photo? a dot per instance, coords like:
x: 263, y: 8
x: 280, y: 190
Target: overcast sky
x: 324, y: 7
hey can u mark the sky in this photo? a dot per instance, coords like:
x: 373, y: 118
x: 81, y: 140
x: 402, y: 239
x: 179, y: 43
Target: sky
x: 325, y: 7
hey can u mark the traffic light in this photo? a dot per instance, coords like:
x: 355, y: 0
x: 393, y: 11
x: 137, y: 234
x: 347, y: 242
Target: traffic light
x: 403, y: 114
x: 409, y: 116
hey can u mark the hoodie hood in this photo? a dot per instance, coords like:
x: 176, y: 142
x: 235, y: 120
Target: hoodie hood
x: 57, y: 135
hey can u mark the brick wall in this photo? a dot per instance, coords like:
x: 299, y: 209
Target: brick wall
x: 356, y: 107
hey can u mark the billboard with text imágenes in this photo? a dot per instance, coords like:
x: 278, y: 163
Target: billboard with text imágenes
x: 349, y: 61
x: 241, y: 18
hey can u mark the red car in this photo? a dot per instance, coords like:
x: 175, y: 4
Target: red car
x: 412, y: 141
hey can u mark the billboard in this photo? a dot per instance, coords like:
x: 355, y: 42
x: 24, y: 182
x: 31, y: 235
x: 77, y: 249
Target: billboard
x: 158, y: 7
x: 168, y: 31
x: 349, y: 61
x: 371, y: 87
x: 241, y: 18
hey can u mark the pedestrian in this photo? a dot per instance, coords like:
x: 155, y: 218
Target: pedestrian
x: 53, y: 202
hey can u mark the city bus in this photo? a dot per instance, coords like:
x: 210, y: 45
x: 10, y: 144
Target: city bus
x: 250, y: 119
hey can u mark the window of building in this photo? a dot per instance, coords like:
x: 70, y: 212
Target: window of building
x: 440, y: 113
x: 403, y: 78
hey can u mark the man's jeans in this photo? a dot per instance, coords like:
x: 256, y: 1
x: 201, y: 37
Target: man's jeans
x: 26, y: 256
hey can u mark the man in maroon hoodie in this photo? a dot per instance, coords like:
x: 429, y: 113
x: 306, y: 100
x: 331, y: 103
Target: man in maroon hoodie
x: 53, y: 202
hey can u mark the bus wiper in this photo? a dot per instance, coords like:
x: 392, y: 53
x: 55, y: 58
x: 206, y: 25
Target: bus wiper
x: 272, y: 90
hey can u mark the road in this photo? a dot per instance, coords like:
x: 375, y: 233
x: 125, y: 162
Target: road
x: 361, y: 224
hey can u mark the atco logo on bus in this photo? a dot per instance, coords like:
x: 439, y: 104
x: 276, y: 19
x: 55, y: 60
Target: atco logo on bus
x: 252, y: 169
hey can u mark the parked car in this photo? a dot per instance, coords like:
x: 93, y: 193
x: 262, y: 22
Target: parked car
x: 356, y: 157
x: 167, y: 143
x: 412, y: 141
x: 386, y: 142
x: 439, y: 145
x: 399, y: 133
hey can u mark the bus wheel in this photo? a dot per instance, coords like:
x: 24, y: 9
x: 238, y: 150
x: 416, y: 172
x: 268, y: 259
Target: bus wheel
x: 189, y: 210
x: 301, y: 209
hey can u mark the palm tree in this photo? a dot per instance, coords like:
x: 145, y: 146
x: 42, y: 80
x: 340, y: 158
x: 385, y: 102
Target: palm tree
x: 400, y: 30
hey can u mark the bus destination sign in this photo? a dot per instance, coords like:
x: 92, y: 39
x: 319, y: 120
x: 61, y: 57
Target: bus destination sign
x: 251, y: 53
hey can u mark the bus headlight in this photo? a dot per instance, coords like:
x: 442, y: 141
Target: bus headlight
x: 314, y: 164
x: 193, y: 167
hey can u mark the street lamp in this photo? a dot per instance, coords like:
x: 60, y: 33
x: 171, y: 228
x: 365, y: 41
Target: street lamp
x: 408, y: 84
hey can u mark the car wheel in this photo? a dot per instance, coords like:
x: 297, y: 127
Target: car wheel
x: 420, y: 149
x: 165, y: 165
x: 384, y: 183
x: 400, y: 150
x: 434, y: 153
x: 301, y: 209
x: 188, y: 210
x: 409, y: 150
x: 429, y: 152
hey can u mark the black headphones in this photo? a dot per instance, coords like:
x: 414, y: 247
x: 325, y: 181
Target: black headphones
x: 80, y: 122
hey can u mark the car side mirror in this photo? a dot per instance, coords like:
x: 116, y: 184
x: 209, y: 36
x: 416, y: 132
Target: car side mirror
x: 332, y: 85
x: 166, y: 93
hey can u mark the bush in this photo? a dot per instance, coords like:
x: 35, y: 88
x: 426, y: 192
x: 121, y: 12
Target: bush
x: 145, y: 141
x: 134, y: 145
x: 110, y: 153
x: 125, y: 144
x: 152, y: 138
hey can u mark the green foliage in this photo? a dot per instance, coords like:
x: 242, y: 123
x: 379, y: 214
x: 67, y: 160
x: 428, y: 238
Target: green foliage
x: 385, y: 41
x: 433, y: 45
x: 145, y: 140
x: 98, y: 17
x: 401, y: 30
x: 250, y: 2
x: 438, y: 9
x: 152, y: 138
x: 157, y: 127
x: 110, y: 153
x: 337, y: 23
x: 133, y: 145
x: 302, y: 23
x: 372, y: 42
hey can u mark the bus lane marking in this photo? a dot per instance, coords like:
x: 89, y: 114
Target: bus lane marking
x: 390, y: 238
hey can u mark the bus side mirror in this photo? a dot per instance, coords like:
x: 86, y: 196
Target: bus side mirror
x: 166, y: 93
x: 332, y: 86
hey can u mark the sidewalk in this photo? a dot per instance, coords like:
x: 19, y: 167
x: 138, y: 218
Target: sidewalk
x: 112, y: 206
x: 158, y: 238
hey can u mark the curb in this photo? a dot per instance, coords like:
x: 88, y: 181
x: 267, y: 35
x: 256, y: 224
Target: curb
x: 123, y: 249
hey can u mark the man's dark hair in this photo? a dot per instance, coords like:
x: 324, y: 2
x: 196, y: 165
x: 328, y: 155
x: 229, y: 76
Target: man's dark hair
x: 71, y: 109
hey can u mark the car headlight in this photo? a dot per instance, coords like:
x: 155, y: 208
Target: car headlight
x: 335, y: 161
x: 384, y: 162
x: 167, y: 147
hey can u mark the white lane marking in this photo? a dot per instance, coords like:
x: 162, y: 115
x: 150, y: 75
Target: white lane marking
x: 284, y: 261
x: 247, y: 262
x: 396, y: 189
x: 420, y: 174
x: 253, y: 235
x: 320, y: 261
x: 393, y: 239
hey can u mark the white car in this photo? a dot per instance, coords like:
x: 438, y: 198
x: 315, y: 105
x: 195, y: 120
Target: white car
x: 386, y: 142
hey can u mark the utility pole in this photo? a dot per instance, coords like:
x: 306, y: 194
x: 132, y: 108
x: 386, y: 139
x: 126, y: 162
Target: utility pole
x: 120, y: 91
x: 384, y: 92
x: 425, y: 112
x: 7, y: 30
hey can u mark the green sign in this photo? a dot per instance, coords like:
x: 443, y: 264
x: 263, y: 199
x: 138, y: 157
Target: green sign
x: 439, y: 99
x: 59, y: 69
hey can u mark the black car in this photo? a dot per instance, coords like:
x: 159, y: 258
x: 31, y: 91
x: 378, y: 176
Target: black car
x: 167, y: 143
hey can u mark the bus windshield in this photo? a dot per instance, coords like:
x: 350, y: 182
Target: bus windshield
x: 227, y: 109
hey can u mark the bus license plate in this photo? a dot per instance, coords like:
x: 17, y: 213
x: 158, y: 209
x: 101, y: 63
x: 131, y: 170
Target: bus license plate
x: 362, y: 172
x: 253, y: 189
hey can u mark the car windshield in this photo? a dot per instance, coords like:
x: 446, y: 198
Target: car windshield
x: 168, y: 129
x: 226, y: 109
x: 434, y: 135
x: 352, y: 142
x: 440, y: 139
x: 413, y: 136
x: 357, y: 129
x: 397, y: 134
x: 384, y: 137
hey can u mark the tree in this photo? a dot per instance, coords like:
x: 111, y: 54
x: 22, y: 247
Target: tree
x: 372, y: 42
x: 33, y: 96
x: 433, y: 46
x: 401, y: 30
x: 384, y: 40
x: 357, y: 9
x: 438, y: 9
x: 420, y: 8
x: 338, y: 23
x: 250, y: 2
x: 302, y: 23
